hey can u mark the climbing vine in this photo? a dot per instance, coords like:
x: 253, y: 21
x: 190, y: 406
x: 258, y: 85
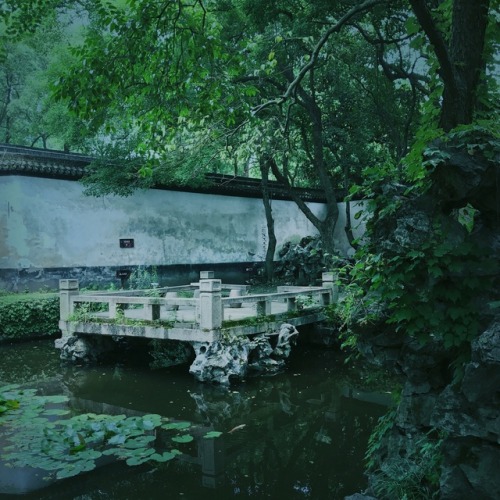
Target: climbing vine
x: 430, y: 277
x: 430, y: 292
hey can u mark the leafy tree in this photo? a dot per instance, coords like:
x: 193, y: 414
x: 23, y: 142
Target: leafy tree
x: 28, y: 113
x: 322, y: 92
x: 433, y: 268
x: 194, y: 74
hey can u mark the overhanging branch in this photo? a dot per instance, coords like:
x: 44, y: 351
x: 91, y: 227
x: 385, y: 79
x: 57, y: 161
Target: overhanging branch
x: 290, y: 91
x: 427, y: 23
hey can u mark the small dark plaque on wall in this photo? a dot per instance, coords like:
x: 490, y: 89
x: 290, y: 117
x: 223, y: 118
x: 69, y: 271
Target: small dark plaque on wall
x: 123, y: 273
x: 126, y: 243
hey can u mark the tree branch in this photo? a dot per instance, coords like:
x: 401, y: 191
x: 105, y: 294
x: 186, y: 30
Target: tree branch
x: 290, y: 91
x: 293, y: 194
x: 392, y: 71
x: 425, y: 19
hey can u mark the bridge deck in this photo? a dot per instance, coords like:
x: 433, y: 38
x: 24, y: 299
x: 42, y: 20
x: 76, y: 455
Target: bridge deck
x: 205, y: 316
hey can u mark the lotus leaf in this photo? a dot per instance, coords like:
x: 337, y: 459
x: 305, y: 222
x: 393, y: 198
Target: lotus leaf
x: 185, y: 438
x: 212, y: 434
x: 164, y: 457
x: 176, y: 426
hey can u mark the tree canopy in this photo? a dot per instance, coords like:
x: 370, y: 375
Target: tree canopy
x: 326, y: 94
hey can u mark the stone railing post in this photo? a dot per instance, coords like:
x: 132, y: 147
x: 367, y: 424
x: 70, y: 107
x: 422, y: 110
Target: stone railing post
x: 152, y: 312
x: 263, y: 308
x: 291, y: 304
x: 67, y: 289
x: 330, y: 281
x: 210, y: 304
x: 114, y: 307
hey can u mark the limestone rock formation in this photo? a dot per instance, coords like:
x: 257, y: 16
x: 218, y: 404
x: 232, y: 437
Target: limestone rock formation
x: 456, y: 400
x: 220, y: 361
x: 84, y: 349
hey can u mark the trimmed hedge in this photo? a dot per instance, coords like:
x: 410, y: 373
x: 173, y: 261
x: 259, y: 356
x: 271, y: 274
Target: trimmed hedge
x: 29, y: 315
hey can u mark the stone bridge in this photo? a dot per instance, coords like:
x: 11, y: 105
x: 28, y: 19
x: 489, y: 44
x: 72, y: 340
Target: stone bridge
x: 221, y: 322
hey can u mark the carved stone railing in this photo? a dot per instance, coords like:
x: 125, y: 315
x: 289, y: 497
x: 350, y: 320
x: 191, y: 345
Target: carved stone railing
x: 207, y: 303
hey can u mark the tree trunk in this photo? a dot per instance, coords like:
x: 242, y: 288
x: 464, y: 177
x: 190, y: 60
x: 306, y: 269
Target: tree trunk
x: 470, y: 19
x: 325, y: 225
x: 348, y: 225
x: 461, y: 62
x: 264, y: 164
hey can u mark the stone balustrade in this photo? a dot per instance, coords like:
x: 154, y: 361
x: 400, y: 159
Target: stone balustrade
x: 203, y: 312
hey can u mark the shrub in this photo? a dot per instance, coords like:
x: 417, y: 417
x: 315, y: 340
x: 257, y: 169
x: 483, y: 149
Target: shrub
x: 143, y: 278
x: 301, y: 263
x: 29, y: 315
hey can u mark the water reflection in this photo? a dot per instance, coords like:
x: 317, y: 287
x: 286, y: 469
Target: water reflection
x: 300, y: 434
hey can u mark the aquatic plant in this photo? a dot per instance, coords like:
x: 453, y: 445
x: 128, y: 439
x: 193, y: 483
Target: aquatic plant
x: 75, y: 444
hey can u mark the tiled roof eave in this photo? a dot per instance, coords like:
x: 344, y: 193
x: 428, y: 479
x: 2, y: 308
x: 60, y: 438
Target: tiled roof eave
x: 16, y: 165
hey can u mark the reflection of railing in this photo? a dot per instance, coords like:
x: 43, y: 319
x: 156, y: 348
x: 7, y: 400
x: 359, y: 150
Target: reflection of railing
x: 204, y: 311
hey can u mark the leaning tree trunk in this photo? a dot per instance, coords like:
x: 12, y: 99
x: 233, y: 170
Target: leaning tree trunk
x: 327, y: 223
x: 271, y: 236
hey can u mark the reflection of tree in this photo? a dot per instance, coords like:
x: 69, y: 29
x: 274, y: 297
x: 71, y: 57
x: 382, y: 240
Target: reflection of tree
x: 313, y: 445
x: 302, y: 433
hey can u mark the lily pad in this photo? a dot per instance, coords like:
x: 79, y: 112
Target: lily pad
x: 176, y: 426
x: 150, y: 421
x: 139, y: 441
x: 55, y: 399
x: 212, y: 434
x: 74, y: 469
x: 118, y: 439
x: 55, y: 411
x: 185, y: 438
x: 163, y: 457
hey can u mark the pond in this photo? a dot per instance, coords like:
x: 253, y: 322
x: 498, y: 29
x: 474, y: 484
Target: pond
x: 300, y: 434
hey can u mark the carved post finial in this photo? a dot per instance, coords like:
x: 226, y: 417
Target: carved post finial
x: 210, y: 304
x: 67, y: 288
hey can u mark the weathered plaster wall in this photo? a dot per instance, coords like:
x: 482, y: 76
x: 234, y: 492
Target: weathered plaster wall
x: 49, y: 223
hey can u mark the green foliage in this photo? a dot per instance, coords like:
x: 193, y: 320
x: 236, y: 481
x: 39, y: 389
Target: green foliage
x: 85, y: 311
x: 7, y: 404
x: 375, y: 442
x: 68, y: 447
x: 301, y: 263
x: 31, y: 62
x: 430, y: 291
x: 25, y: 316
x: 343, y: 314
x: 305, y: 301
x: 142, y: 278
x: 414, y: 476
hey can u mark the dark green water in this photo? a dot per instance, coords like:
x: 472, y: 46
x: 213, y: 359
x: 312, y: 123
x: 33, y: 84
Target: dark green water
x: 302, y: 434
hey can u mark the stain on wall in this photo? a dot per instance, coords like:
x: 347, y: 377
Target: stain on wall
x: 49, y: 223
